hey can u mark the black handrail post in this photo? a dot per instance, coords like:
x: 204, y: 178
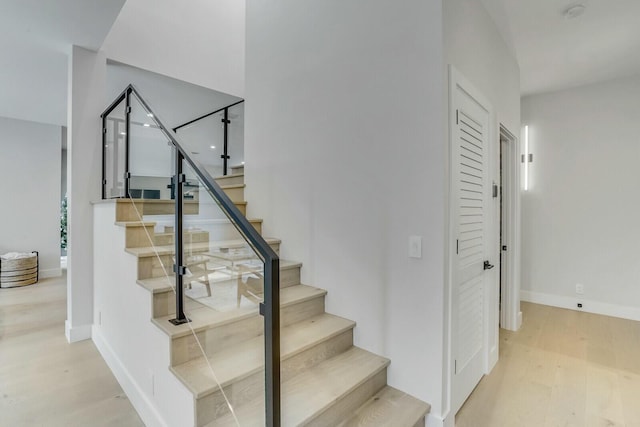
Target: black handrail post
x: 225, y: 150
x: 178, y: 267
x: 127, y: 129
x: 270, y: 309
x: 104, y: 157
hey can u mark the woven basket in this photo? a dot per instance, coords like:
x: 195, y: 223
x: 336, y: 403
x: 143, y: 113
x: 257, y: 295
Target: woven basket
x: 19, y: 272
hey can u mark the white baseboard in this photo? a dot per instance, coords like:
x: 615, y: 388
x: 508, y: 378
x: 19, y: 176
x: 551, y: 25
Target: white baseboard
x: 49, y: 272
x: 77, y: 333
x: 436, y: 421
x: 595, y: 307
x: 146, y: 410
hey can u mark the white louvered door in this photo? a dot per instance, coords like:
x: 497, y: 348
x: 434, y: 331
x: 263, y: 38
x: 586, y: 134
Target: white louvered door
x: 471, y: 191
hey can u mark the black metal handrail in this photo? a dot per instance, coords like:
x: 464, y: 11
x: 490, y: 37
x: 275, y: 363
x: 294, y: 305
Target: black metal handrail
x: 270, y: 308
x: 225, y: 121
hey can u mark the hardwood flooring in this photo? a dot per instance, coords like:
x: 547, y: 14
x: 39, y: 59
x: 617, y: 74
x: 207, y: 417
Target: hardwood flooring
x: 563, y: 368
x: 45, y: 381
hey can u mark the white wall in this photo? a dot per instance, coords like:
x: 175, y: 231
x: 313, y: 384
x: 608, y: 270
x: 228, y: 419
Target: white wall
x: 86, y: 100
x: 30, y: 191
x: 345, y: 160
x: 135, y: 349
x: 175, y: 101
x: 580, y: 215
x: 199, y: 41
x: 474, y: 46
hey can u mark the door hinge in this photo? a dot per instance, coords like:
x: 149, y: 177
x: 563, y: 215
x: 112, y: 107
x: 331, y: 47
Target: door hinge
x: 504, y: 247
x: 457, y: 246
x: 455, y: 366
x: 457, y: 122
x: 180, y: 270
x: 128, y: 109
x: 104, y: 130
x: 495, y: 190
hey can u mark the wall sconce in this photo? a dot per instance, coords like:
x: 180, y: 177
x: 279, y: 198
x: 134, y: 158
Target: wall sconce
x: 527, y: 158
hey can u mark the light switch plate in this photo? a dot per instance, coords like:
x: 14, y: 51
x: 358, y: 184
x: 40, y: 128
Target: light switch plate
x: 415, y: 246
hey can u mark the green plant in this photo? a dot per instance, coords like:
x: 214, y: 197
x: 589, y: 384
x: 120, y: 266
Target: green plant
x: 63, y: 223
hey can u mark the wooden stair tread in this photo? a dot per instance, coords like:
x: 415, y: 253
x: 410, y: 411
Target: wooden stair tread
x: 149, y: 251
x: 237, y: 362
x: 206, y: 317
x: 310, y: 393
x: 389, y: 407
x: 231, y: 175
x: 231, y: 186
x: 132, y: 224
x: 157, y: 285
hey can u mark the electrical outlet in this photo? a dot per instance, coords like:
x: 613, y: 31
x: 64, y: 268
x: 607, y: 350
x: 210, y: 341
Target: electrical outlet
x: 579, y: 288
x: 579, y: 305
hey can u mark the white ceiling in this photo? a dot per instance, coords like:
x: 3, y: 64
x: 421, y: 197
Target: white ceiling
x: 35, y: 38
x: 556, y: 53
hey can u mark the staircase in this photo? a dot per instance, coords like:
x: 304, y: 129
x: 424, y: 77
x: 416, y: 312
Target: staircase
x: 326, y: 381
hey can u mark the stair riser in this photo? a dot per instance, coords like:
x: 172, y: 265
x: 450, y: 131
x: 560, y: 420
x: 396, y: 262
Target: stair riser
x: 230, y: 180
x: 235, y: 194
x: 129, y: 211
x: 238, y: 169
x: 347, y: 405
x: 150, y: 266
x: 290, y: 277
x: 214, y: 405
x: 164, y: 303
x: 186, y: 348
x: 139, y: 237
x: 420, y: 423
x: 199, y: 236
x: 126, y: 210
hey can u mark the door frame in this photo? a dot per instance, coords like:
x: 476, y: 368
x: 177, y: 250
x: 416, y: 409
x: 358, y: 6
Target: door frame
x: 510, y: 314
x: 491, y: 328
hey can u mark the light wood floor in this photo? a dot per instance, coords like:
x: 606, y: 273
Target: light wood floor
x: 563, y: 368
x: 44, y: 381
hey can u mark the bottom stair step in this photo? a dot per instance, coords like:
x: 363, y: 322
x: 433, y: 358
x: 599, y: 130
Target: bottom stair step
x: 389, y: 408
x: 323, y: 395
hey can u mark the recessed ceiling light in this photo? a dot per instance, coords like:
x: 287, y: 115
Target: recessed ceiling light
x: 213, y: 147
x: 146, y: 125
x: 123, y: 133
x: 243, y: 163
x: 149, y: 115
x: 574, y: 11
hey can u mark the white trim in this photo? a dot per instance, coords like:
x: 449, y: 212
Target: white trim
x: 437, y: 421
x: 511, y: 292
x: 49, y: 272
x: 145, y: 408
x: 589, y: 306
x: 76, y: 333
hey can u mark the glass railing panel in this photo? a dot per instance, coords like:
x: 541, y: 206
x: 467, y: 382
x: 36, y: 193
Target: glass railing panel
x: 236, y: 135
x: 115, y: 151
x: 151, y: 156
x: 224, y: 285
x: 204, y: 139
